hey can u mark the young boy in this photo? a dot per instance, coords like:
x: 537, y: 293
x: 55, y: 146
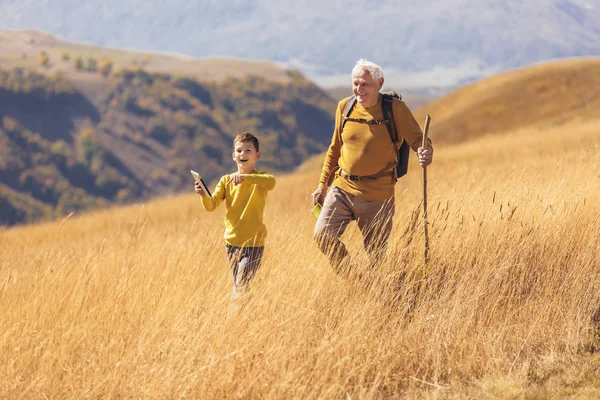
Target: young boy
x: 245, y: 193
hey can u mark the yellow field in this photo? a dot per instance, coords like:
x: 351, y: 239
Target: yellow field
x: 135, y: 302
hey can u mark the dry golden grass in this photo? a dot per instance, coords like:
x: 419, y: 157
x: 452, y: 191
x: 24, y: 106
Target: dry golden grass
x: 134, y: 302
x: 540, y: 96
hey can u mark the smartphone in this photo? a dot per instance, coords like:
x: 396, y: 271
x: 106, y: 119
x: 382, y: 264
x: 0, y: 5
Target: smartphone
x: 316, y: 210
x: 199, y: 179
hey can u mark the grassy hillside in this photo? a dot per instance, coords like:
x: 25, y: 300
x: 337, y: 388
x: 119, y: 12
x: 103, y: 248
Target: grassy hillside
x: 135, y: 302
x: 544, y: 95
x: 23, y: 48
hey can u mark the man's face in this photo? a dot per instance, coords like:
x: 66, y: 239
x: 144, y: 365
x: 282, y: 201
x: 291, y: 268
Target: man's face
x: 366, y: 89
x: 245, y: 156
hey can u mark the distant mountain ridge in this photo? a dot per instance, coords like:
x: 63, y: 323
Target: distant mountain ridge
x: 433, y: 43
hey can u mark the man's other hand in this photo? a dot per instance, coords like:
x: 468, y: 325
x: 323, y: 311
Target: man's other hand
x: 318, y: 196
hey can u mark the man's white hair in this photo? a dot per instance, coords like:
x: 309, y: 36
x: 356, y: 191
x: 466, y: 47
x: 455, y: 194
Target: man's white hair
x: 373, y: 69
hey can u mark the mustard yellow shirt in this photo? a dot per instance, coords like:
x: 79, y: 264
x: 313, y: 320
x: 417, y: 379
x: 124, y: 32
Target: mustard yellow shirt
x: 365, y: 149
x: 244, y: 204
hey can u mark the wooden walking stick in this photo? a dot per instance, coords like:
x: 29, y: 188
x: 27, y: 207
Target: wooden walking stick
x: 425, y: 225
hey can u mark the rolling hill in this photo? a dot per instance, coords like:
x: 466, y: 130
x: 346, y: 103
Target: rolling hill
x: 543, y: 95
x: 23, y: 48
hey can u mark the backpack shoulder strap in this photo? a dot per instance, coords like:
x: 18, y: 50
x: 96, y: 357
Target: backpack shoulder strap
x: 345, y: 112
x: 388, y: 114
x: 347, y: 109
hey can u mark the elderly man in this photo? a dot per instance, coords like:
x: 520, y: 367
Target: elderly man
x: 361, y: 166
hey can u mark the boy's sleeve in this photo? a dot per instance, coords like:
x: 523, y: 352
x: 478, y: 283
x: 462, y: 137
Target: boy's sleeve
x: 210, y: 203
x: 264, y: 179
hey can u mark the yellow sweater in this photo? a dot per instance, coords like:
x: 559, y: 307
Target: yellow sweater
x: 364, y: 149
x: 244, y: 205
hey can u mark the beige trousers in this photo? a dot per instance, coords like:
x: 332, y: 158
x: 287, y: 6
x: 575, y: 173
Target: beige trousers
x: 374, y: 220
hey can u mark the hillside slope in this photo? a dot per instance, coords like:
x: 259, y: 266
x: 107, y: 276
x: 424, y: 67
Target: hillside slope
x: 23, y: 48
x: 81, y: 126
x: 543, y: 95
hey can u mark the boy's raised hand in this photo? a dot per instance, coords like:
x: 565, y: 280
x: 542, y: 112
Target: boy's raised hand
x: 198, y: 189
x: 236, y: 178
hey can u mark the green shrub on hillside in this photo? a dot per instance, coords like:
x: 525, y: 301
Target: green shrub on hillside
x: 44, y: 59
x: 106, y: 66
x: 78, y: 63
x: 91, y: 65
x: 16, y: 207
x: 87, y: 146
x: 23, y: 81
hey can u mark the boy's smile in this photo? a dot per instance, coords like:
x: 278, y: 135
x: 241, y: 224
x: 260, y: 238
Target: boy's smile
x: 245, y: 156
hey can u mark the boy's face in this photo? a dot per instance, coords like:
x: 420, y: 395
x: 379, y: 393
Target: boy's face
x: 245, y: 156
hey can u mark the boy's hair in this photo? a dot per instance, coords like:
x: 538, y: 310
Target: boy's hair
x: 246, y: 137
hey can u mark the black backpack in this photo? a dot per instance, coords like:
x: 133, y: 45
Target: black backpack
x: 401, y: 167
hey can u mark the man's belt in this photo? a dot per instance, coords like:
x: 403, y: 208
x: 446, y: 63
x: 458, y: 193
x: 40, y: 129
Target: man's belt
x: 351, y: 177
